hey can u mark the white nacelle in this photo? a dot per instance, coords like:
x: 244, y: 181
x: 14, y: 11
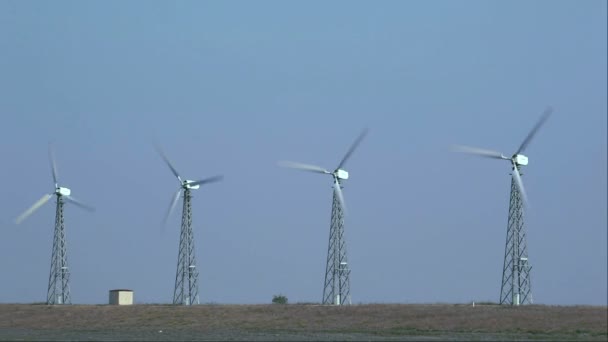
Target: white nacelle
x: 342, y: 174
x: 520, y: 159
x: 63, y: 191
x: 193, y: 187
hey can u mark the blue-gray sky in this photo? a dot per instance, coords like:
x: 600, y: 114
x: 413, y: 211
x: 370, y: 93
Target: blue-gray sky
x: 232, y: 87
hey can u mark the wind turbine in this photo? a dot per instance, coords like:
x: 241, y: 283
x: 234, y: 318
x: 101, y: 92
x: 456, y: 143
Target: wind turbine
x: 336, y: 288
x: 186, y: 277
x: 58, y: 291
x: 516, y: 285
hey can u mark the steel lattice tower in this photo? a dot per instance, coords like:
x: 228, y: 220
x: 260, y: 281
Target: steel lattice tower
x: 186, y: 277
x: 516, y: 287
x: 336, y: 288
x: 337, y: 274
x: 59, y: 278
x: 58, y: 291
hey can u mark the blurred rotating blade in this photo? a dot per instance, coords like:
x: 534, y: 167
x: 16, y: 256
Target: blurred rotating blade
x: 535, y: 129
x: 207, y: 180
x: 162, y: 154
x: 338, y: 192
x: 33, y: 208
x: 301, y: 166
x: 352, y: 148
x: 520, y: 184
x: 478, y: 151
x: 53, y: 164
x: 172, y: 205
x: 79, y: 203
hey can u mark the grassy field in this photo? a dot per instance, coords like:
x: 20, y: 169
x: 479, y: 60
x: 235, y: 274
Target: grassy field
x: 303, y: 322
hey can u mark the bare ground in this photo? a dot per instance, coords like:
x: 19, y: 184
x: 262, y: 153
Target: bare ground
x: 303, y: 322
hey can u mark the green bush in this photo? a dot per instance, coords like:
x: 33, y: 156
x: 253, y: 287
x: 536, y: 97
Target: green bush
x: 279, y: 299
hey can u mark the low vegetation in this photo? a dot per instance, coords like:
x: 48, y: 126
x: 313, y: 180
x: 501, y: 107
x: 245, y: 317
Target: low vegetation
x: 302, y: 322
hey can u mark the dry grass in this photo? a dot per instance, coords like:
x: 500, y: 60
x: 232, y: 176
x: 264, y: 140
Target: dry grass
x: 384, y: 321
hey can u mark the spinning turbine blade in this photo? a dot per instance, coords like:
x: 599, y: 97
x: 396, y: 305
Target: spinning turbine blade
x: 338, y: 191
x: 172, y: 205
x: 53, y: 164
x: 535, y: 129
x: 478, y: 151
x: 79, y: 203
x: 162, y: 154
x: 352, y: 148
x: 301, y: 166
x: 33, y: 208
x: 520, y: 184
x: 207, y: 180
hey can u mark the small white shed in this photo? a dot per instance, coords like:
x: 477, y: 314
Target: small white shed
x: 121, y: 297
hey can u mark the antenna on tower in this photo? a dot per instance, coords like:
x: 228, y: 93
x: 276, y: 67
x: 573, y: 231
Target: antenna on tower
x: 58, y: 291
x: 336, y: 289
x: 186, y: 277
x: 516, y: 284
